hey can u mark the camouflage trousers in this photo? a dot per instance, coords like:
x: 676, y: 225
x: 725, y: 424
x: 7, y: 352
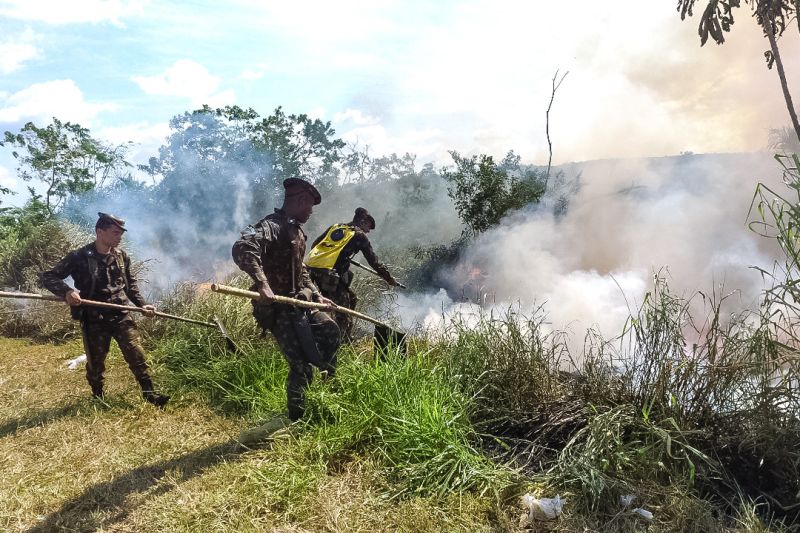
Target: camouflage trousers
x: 97, y: 337
x: 344, y: 297
x: 286, y: 325
x: 336, y: 289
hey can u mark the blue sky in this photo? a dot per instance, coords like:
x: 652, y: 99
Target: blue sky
x: 421, y: 77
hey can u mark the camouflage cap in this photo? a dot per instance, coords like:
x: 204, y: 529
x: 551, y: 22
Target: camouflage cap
x: 294, y: 186
x: 363, y: 214
x: 105, y: 218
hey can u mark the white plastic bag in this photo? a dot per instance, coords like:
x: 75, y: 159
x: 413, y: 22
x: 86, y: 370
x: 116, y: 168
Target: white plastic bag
x: 644, y: 513
x: 544, y: 508
x: 626, y: 500
x: 72, y: 364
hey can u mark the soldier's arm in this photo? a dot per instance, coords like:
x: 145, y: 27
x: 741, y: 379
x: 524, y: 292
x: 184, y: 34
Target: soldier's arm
x: 246, y: 252
x: 53, y: 279
x: 307, y: 283
x: 366, y: 250
x: 132, y: 287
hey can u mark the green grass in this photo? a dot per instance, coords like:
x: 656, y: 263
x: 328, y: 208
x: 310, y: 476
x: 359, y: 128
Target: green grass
x: 72, y: 464
x: 696, y: 416
x: 490, y: 412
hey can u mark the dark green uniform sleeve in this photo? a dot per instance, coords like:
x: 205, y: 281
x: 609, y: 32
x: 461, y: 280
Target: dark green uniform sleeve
x: 365, y: 247
x: 132, y: 286
x: 308, y: 283
x: 53, y: 279
x: 246, y: 251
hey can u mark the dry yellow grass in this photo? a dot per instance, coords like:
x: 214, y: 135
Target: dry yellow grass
x: 68, y: 463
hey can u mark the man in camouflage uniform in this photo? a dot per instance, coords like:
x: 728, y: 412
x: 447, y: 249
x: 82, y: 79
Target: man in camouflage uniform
x: 271, y: 253
x: 329, y: 263
x: 102, y: 272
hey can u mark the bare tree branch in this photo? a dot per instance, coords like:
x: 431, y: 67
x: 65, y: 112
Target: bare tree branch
x: 556, y: 85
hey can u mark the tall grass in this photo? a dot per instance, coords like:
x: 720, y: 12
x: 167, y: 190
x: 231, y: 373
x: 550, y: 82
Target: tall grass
x: 405, y: 412
x: 679, y: 407
x: 402, y: 412
x: 698, y: 416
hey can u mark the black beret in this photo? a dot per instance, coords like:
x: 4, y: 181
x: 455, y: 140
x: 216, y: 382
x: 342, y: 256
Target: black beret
x: 363, y: 214
x: 105, y: 218
x: 294, y: 186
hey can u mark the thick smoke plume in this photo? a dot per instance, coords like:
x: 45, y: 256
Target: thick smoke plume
x: 587, y: 253
x: 183, y: 227
x: 682, y: 217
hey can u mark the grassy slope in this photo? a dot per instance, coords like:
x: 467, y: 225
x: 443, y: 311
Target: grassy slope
x: 68, y: 462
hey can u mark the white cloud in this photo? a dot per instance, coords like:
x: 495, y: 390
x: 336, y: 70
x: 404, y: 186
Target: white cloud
x: 354, y: 20
x: 6, y: 180
x: 251, y: 75
x: 146, y: 139
x: 356, y: 117
x: 43, y: 101
x: 364, y: 131
x: 16, y: 50
x: 643, y: 88
x: 187, y: 79
x: 317, y: 113
x: 72, y: 11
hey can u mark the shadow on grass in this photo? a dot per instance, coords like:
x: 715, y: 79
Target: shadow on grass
x: 76, y: 407
x: 101, y: 506
x: 41, y: 417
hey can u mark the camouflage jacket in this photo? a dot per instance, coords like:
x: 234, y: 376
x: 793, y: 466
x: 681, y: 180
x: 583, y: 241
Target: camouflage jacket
x: 272, y: 250
x: 359, y: 243
x: 105, y: 278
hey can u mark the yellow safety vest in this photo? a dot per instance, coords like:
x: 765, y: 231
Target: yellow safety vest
x: 325, y: 254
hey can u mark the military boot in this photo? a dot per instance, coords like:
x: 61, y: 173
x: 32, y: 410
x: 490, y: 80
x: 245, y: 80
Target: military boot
x: 159, y: 400
x: 97, y: 391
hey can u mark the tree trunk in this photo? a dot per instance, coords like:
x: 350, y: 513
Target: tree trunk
x: 773, y: 43
x: 797, y: 13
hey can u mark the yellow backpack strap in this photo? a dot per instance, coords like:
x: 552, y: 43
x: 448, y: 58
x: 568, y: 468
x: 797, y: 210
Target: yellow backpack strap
x: 326, y: 252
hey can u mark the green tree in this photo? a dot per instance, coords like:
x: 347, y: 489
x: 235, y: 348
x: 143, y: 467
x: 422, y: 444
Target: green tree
x: 65, y: 158
x: 359, y: 166
x: 772, y: 16
x: 299, y: 147
x: 19, y: 221
x: 270, y: 149
x: 484, y: 192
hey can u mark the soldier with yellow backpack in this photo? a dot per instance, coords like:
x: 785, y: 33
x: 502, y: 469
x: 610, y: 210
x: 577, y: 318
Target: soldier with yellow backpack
x: 329, y: 263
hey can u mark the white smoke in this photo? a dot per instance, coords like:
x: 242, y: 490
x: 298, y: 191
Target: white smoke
x: 683, y: 217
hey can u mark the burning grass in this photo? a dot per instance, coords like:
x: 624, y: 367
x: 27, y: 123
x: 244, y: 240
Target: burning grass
x: 700, y: 433
x: 703, y: 434
x: 697, y: 418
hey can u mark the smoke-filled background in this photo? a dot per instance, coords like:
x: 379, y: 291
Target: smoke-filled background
x: 418, y: 80
x: 684, y: 218
x: 587, y: 251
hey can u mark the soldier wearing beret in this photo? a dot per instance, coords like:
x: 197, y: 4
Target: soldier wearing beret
x: 101, y: 271
x: 271, y: 252
x: 329, y: 263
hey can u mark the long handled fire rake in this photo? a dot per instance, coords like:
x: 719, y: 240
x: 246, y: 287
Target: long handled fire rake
x: 105, y: 305
x: 372, y: 271
x: 385, y: 335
